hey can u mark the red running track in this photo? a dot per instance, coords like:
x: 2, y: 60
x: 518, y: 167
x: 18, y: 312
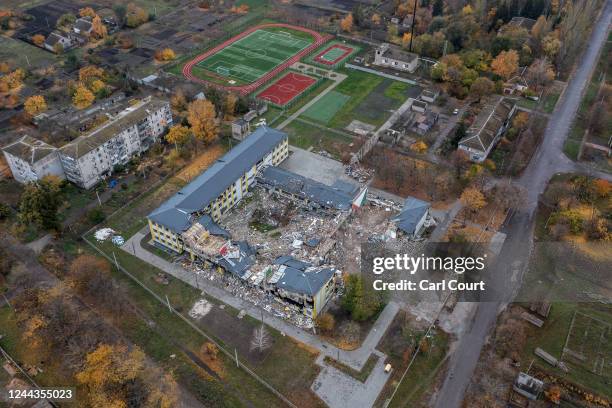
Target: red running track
x: 285, y: 89
x: 246, y: 89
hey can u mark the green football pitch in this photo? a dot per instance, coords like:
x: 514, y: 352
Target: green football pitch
x: 251, y: 57
x: 327, y: 106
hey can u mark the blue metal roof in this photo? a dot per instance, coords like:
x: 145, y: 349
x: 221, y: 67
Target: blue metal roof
x: 297, y: 280
x: 175, y: 213
x: 411, y: 214
x: 335, y: 196
x: 211, y: 226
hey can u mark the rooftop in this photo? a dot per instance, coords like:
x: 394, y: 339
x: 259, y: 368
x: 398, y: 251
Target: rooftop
x: 523, y: 22
x: 397, y: 53
x: 175, y: 212
x: 129, y: 117
x: 412, y: 213
x: 339, y: 196
x: 300, y: 277
x: 29, y: 149
x: 491, y: 118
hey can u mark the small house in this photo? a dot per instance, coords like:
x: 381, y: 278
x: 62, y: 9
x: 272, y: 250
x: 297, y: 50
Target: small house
x: 391, y: 56
x: 487, y: 129
x: 411, y: 219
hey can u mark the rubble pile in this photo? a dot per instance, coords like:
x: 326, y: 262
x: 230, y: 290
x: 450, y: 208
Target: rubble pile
x: 358, y: 172
x: 303, y: 231
x: 256, y: 295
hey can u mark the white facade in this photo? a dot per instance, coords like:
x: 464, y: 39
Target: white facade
x: 388, y: 56
x: 90, y: 158
x: 31, y: 159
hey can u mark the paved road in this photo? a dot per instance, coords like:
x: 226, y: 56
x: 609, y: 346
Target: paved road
x: 509, y: 266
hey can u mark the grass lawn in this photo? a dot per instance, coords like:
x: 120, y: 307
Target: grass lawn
x: 581, y: 123
x: 358, y: 375
x: 296, y: 373
x: 326, y: 107
x: 371, y: 98
x: 552, y: 336
x: 52, y: 376
x: 550, y: 101
x: 400, y: 339
x: 305, y: 135
x: 16, y: 50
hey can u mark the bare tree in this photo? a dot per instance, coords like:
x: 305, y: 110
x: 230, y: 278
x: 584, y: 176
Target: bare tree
x: 261, y: 339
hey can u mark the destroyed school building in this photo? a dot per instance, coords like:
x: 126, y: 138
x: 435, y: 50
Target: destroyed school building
x: 487, y: 129
x: 189, y: 221
x: 90, y: 158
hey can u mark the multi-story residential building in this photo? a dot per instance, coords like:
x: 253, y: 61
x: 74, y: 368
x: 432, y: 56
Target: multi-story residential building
x: 90, y: 158
x: 219, y: 188
x: 387, y: 55
x: 487, y: 129
x: 31, y: 159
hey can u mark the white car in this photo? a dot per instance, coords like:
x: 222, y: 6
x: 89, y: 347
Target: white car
x: 455, y: 111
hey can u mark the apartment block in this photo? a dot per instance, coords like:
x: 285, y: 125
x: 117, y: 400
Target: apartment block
x: 31, y: 159
x: 92, y: 157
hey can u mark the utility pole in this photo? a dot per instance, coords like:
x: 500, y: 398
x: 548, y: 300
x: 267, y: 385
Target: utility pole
x: 99, y: 201
x: 412, y: 25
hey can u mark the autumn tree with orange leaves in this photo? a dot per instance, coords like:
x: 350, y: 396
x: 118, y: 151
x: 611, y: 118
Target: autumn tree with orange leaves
x: 38, y: 39
x: 35, y: 104
x: 114, y: 376
x: 82, y: 97
x: 346, y: 24
x: 87, y: 12
x: 505, y: 64
x: 202, y: 117
x: 98, y: 29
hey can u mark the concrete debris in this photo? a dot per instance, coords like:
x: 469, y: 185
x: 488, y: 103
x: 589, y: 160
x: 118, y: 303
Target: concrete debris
x: 359, y: 173
x: 241, y: 314
x: 200, y: 309
x: 104, y: 234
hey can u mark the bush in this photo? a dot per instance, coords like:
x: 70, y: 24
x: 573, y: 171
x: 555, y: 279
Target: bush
x: 96, y: 215
x: 5, y: 211
x: 124, y: 186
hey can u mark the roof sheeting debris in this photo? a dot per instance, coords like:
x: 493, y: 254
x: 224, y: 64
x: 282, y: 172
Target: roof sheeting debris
x: 340, y: 196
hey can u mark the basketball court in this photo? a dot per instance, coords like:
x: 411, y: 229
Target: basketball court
x: 287, y: 88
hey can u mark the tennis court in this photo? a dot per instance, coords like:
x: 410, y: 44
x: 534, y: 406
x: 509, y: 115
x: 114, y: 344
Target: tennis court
x: 249, y: 58
x: 333, y: 54
x: 326, y: 107
x: 287, y: 88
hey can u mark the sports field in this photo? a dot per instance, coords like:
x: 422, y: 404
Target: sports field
x: 327, y: 106
x: 245, y: 62
x: 250, y: 57
x: 287, y: 88
x: 333, y: 54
